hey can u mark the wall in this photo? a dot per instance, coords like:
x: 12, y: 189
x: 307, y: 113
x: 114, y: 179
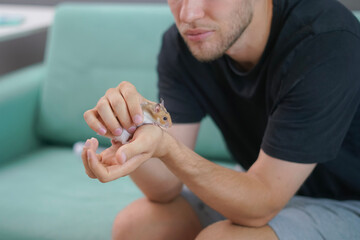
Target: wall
x: 351, y: 4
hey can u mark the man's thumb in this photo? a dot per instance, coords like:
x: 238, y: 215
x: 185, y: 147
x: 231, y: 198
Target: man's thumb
x: 128, y: 151
x: 121, y: 156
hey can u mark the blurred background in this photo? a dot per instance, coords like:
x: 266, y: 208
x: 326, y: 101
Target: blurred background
x: 27, y: 46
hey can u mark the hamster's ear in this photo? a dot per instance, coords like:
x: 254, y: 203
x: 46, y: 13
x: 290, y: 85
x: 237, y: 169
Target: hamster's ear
x: 157, y: 108
x: 162, y: 102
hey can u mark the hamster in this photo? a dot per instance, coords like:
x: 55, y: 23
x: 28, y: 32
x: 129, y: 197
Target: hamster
x: 154, y: 113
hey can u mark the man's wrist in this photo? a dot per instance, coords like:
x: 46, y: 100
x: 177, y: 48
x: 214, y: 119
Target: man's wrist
x: 169, y: 146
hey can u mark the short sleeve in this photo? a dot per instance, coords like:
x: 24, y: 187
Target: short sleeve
x: 320, y: 96
x: 173, y: 82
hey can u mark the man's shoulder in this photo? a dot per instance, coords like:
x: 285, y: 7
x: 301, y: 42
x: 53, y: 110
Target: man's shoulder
x: 323, y: 16
x: 319, y: 29
x: 314, y: 37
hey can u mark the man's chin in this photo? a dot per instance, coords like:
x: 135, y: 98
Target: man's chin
x: 207, y: 59
x: 205, y: 51
x: 206, y: 55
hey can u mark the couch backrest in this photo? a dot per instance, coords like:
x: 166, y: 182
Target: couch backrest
x: 93, y: 47
x: 357, y: 14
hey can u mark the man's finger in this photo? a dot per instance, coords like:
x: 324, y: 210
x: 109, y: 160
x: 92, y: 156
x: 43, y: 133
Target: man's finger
x: 85, y: 161
x: 94, y: 144
x: 132, y: 99
x: 91, y: 118
x: 143, y: 142
x: 117, y: 171
x: 129, y: 151
x: 119, y: 107
x: 96, y: 167
x: 107, y: 115
x: 112, y: 172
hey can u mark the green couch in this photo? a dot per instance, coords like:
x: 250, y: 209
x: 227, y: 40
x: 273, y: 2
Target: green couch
x: 44, y: 191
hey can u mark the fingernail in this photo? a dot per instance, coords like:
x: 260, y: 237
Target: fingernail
x: 132, y: 129
x: 87, y: 144
x: 118, y: 131
x: 123, y: 158
x: 137, y: 119
x: 102, y: 131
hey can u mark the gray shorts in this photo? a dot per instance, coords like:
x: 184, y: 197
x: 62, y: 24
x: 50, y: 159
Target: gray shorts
x: 302, y: 218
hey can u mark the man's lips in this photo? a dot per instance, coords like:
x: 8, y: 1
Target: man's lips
x: 198, y: 34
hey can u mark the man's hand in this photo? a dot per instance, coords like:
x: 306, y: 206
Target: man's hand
x: 121, y: 160
x: 118, y: 109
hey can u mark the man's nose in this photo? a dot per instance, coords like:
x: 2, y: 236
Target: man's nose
x: 192, y: 10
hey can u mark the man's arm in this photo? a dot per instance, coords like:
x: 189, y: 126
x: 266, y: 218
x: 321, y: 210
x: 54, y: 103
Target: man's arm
x: 247, y: 198
x: 154, y: 178
x: 250, y: 198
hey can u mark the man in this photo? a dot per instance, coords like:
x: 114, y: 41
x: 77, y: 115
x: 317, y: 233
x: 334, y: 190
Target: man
x: 281, y: 80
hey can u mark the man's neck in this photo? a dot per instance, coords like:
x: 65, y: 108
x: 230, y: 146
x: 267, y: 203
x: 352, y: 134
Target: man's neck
x: 248, y: 49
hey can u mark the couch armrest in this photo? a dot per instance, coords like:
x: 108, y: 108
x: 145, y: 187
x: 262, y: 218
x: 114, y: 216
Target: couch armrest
x: 18, y: 111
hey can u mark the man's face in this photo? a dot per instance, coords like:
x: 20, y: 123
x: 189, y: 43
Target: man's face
x: 211, y: 27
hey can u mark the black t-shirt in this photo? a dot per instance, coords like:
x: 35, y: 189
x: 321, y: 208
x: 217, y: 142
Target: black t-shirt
x: 300, y: 103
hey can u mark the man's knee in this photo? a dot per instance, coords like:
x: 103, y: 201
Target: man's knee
x: 226, y: 230
x: 126, y: 220
x: 214, y: 231
x: 138, y: 213
x: 175, y: 217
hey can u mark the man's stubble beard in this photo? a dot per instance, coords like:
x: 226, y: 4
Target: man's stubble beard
x: 208, y: 51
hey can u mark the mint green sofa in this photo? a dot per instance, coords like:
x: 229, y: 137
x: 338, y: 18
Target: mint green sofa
x: 44, y: 191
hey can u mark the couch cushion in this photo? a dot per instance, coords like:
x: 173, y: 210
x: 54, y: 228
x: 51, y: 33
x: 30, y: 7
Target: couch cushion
x: 47, y: 195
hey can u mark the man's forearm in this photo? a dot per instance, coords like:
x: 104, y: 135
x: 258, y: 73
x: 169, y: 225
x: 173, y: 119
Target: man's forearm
x: 240, y: 197
x: 156, y: 181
